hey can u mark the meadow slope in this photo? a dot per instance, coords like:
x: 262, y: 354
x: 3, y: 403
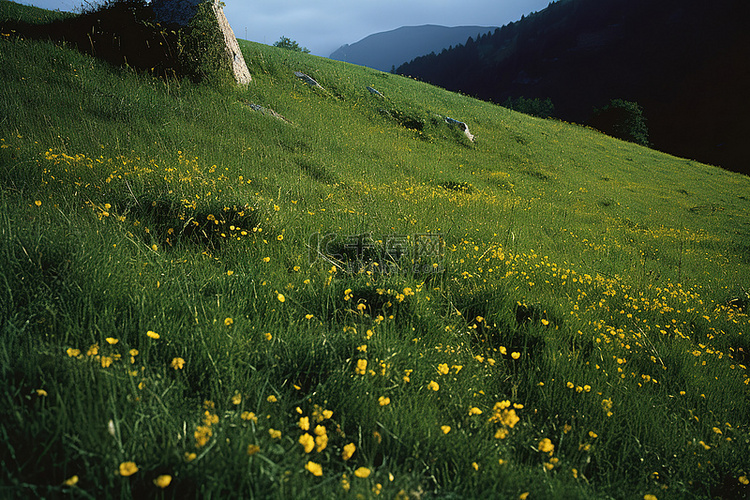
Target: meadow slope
x: 293, y: 292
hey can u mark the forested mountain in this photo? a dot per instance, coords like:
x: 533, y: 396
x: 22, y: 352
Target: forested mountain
x: 389, y: 49
x: 686, y: 62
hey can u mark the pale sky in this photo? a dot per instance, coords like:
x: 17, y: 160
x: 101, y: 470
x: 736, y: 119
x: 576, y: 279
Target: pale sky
x: 325, y: 25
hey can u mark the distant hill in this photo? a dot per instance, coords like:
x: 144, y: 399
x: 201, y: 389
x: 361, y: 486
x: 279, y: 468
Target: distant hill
x: 686, y: 62
x: 392, y: 48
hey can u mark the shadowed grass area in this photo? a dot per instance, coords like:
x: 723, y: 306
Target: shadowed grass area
x: 198, y: 296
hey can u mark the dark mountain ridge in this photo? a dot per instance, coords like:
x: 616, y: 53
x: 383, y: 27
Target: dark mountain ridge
x: 686, y: 62
x: 392, y: 48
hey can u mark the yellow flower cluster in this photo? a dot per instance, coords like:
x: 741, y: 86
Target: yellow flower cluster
x: 505, y: 416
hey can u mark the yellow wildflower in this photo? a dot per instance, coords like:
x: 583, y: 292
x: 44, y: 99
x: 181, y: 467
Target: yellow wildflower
x: 443, y: 368
x: 321, y: 441
x: 202, y: 434
x: 314, y: 469
x: 307, y: 442
x: 433, y: 386
x: 152, y: 335
x: 228, y: 321
x: 304, y: 423
x: 475, y: 411
x: 271, y: 399
x: 281, y: 297
x: 248, y: 415
x: 73, y: 353
x: 362, y: 472
x: 384, y: 401
x: 501, y: 433
x: 445, y: 428
x: 546, y: 446
x: 111, y: 341
x: 163, y: 481
x: 71, y: 481
x: 274, y: 433
x: 509, y: 418
x: 361, y: 367
x: 177, y: 363
x: 349, y: 450
x: 252, y: 449
x: 128, y: 469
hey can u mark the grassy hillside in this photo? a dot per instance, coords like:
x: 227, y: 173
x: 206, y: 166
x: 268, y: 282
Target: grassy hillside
x: 201, y: 299
x: 683, y: 61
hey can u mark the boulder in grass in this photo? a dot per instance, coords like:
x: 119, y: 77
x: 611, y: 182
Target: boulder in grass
x: 181, y: 12
x: 461, y: 125
x: 308, y: 79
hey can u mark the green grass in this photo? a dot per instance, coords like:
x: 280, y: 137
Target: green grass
x: 596, y: 288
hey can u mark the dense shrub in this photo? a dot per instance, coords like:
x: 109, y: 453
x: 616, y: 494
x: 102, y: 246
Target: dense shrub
x: 535, y: 107
x: 622, y: 119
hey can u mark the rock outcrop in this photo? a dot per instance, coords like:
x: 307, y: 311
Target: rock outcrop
x: 308, y: 80
x: 180, y: 12
x: 462, y: 126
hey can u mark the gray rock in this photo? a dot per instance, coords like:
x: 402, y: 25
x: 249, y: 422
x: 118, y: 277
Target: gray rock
x: 307, y: 79
x: 180, y: 12
x: 462, y: 126
x: 266, y: 111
